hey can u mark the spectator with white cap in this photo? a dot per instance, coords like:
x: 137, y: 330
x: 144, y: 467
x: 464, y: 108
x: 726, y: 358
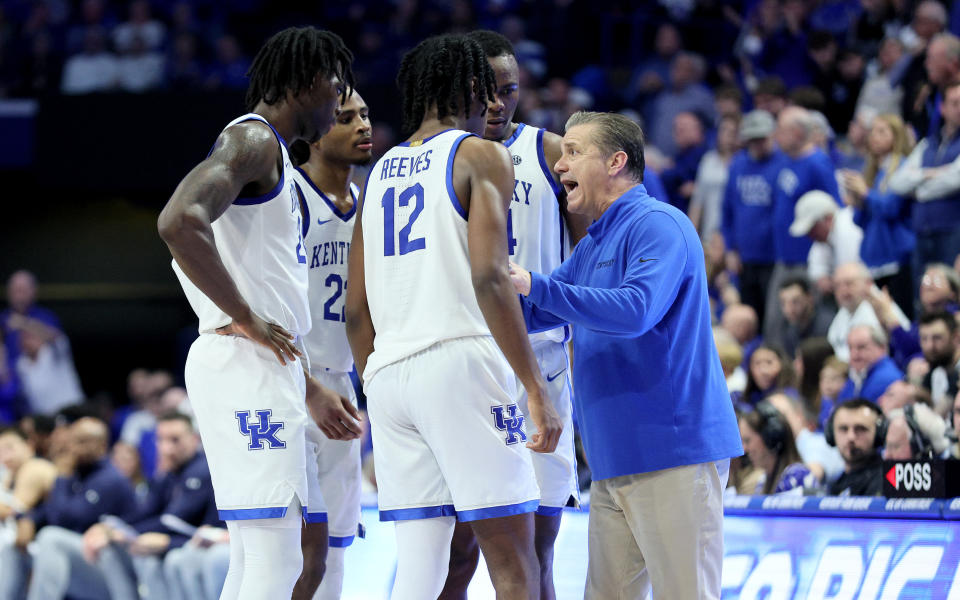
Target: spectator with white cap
x: 836, y: 239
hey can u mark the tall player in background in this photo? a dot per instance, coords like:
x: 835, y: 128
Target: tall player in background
x: 233, y: 228
x: 324, y: 184
x: 430, y: 318
x: 540, y: 233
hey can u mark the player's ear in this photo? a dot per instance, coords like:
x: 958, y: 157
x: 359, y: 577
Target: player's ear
x: 616, y: 163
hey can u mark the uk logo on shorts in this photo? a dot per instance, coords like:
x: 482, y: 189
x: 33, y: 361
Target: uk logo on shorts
x: 512, y: 424
x: 261, y: 431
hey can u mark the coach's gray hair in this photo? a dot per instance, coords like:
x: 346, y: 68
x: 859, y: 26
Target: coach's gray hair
x: 614, y: 133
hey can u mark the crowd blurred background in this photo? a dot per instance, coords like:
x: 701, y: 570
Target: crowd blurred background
x: 815, y: 145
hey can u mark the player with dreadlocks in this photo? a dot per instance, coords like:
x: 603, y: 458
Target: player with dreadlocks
x: 233, y: 226
x: 437, y: 334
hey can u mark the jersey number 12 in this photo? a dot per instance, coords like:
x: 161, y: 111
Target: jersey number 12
x: 388, y: 203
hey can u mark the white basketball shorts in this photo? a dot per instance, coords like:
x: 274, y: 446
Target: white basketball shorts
x: 448, y: 436
x: 556, y: 471
x: 333, y: 471
x: 252, y: 417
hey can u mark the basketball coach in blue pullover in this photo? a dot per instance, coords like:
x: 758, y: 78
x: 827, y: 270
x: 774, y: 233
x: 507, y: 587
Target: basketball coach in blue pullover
x: 652, y: 402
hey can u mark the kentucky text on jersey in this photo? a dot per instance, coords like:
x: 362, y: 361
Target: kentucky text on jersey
x: 330, y: 253
x: 521, y: 188
x: 404, y: 166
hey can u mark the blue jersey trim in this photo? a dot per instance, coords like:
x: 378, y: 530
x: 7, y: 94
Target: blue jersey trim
x: 333, y: 207
x: 335, y: 541
x: 363, y: 193
x: 550, y: 511
x: 423, y: 512
x: 253, y: 200
x: 498, y: 511
x: 317, y: 517
x: 515, y: 135
x: 450, y: 191
x: 305, y: 207
x: 541, y: 156
x: 426, y: 139
x: 243, y: 514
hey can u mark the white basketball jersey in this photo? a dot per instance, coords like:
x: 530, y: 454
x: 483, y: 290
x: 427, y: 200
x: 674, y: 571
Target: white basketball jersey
x: 327, y: 233
x: 259, y: 241
x: 537, y: 235
x: 416, y: 262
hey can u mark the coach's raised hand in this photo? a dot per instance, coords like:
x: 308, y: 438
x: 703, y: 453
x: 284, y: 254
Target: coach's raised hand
x: 520, y: 278
x: 270, y: 335
x: 335, y: 415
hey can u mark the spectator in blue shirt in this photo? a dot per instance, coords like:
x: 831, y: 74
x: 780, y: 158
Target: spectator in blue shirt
x: 883, y: 215
x: 77, y: 501
x: 806, y: 169
x: 21, y: 312
x: 769, y: 369
x: 931, y: 174
x: 747, y: 222
x: 690, y: 141
x: 651, y: 398
x: 180, y: 500
x: 871, y: 369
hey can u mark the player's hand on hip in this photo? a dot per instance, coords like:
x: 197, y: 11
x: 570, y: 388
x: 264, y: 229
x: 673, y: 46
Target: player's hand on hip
x: 270, y: 335
x: 545, y: 417
x: 335, y: 415
x: 520, y: 278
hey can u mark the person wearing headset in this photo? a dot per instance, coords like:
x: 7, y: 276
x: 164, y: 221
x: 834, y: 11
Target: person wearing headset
x: 857, y: 428
x: 768, y: 441
x: 915, y: 432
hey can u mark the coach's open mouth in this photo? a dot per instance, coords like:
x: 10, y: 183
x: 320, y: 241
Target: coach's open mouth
x: 569, y: 185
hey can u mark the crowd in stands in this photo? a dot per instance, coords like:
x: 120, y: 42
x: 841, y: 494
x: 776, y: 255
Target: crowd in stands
x: 817, y: 153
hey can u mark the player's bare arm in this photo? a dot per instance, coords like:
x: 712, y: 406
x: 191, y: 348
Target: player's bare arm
x: 360, y: 331
x: 483, y: 178
x: 244, y: 159
x: 576, y: 224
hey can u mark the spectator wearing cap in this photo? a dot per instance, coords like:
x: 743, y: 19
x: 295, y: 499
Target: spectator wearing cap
x: 884, y: 216
x: 836, y: 238
x: 747, y: 223
x: 806, y: 169
x: 931, y: 174
x: 871, y: 369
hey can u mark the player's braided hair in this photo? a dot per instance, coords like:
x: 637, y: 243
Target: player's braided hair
x: 445, y: 70
x: 492, y: 43
x: 291, y: 59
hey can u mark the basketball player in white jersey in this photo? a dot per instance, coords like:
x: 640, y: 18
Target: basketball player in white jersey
x: 435, y: 331
x: 540, y: 233
x: 324, y: 183
x: 233, y: 228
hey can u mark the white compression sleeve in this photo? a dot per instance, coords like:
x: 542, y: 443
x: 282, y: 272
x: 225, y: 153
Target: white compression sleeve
x: 423, y: 555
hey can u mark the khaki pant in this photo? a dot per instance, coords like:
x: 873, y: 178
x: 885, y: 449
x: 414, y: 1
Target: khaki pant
x: 663, y: 528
